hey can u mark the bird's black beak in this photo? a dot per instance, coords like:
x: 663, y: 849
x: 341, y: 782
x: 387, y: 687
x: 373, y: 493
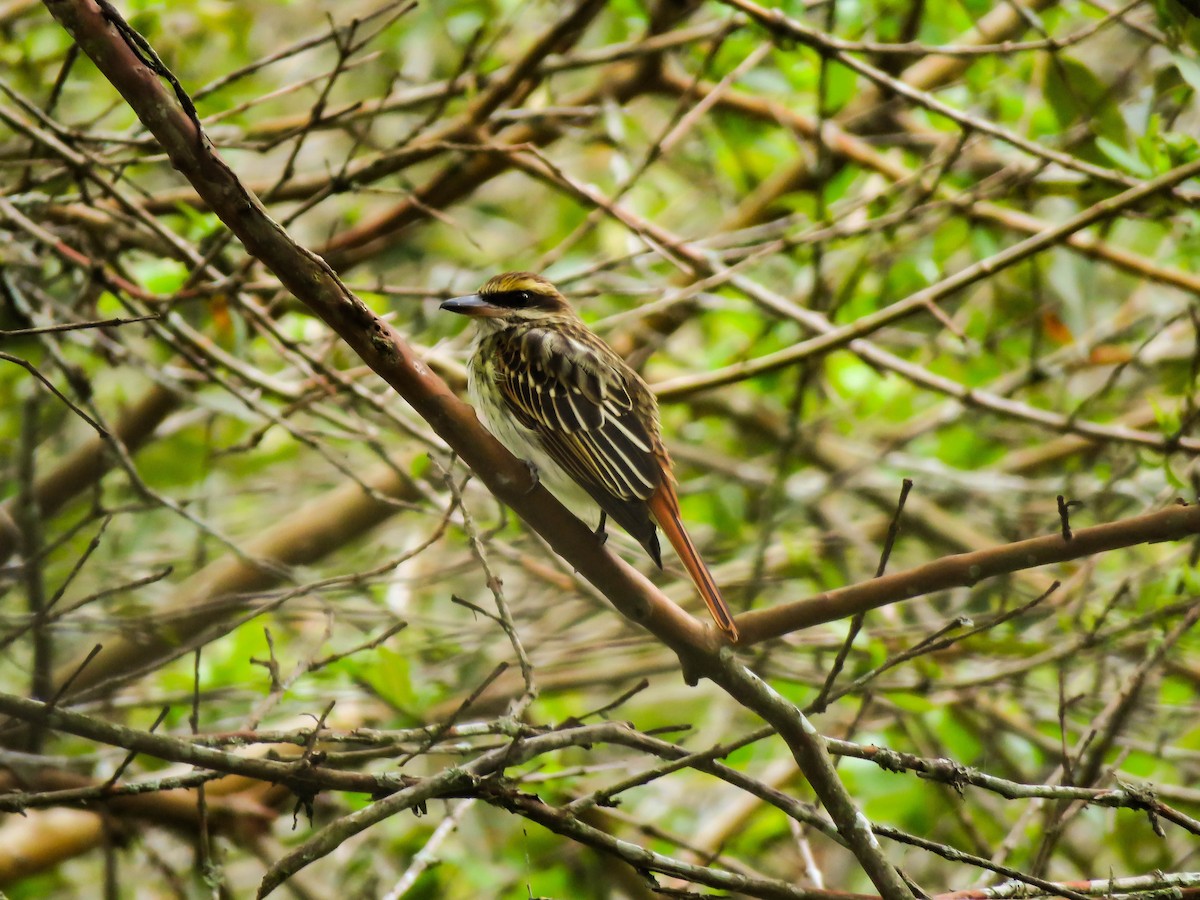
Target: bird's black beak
x: 470, y: 305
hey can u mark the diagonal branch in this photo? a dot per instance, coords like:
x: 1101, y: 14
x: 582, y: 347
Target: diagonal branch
x: 129, y: 63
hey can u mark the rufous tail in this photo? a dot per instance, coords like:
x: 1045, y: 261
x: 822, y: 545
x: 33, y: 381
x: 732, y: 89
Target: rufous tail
x: 665, y: 509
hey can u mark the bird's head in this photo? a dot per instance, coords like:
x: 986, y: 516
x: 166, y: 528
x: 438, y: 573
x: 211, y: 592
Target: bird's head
x: 510, y: 299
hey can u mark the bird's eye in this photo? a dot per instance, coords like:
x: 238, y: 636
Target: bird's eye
x: 524, y: 295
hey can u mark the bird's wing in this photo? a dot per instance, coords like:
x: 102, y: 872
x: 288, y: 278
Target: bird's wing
x: 573, y: 392
x: 578, y: 397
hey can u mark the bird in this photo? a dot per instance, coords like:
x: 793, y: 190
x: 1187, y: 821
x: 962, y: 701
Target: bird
x: 555, y: 395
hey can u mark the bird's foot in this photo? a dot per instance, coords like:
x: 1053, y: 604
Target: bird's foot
x: 601, y: 534
x: 535, y: 478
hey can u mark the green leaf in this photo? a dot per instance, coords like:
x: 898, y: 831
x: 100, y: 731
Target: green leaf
x: 1077, y: 95
x: 1124, y: 159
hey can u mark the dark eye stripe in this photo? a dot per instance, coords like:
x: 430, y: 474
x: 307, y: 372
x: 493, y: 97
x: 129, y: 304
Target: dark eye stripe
x: 509, y: 299
x: 520, y: 300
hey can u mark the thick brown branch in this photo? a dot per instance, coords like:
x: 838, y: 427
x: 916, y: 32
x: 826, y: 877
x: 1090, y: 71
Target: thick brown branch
x: 966, y: 569
x: 124, y: 59
x: 313, y: 282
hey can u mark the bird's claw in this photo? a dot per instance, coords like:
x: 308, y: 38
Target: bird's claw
x: 535, y: 478
x: 601, y: 534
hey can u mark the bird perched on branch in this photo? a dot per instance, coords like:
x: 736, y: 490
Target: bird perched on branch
x: 556, y: 395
